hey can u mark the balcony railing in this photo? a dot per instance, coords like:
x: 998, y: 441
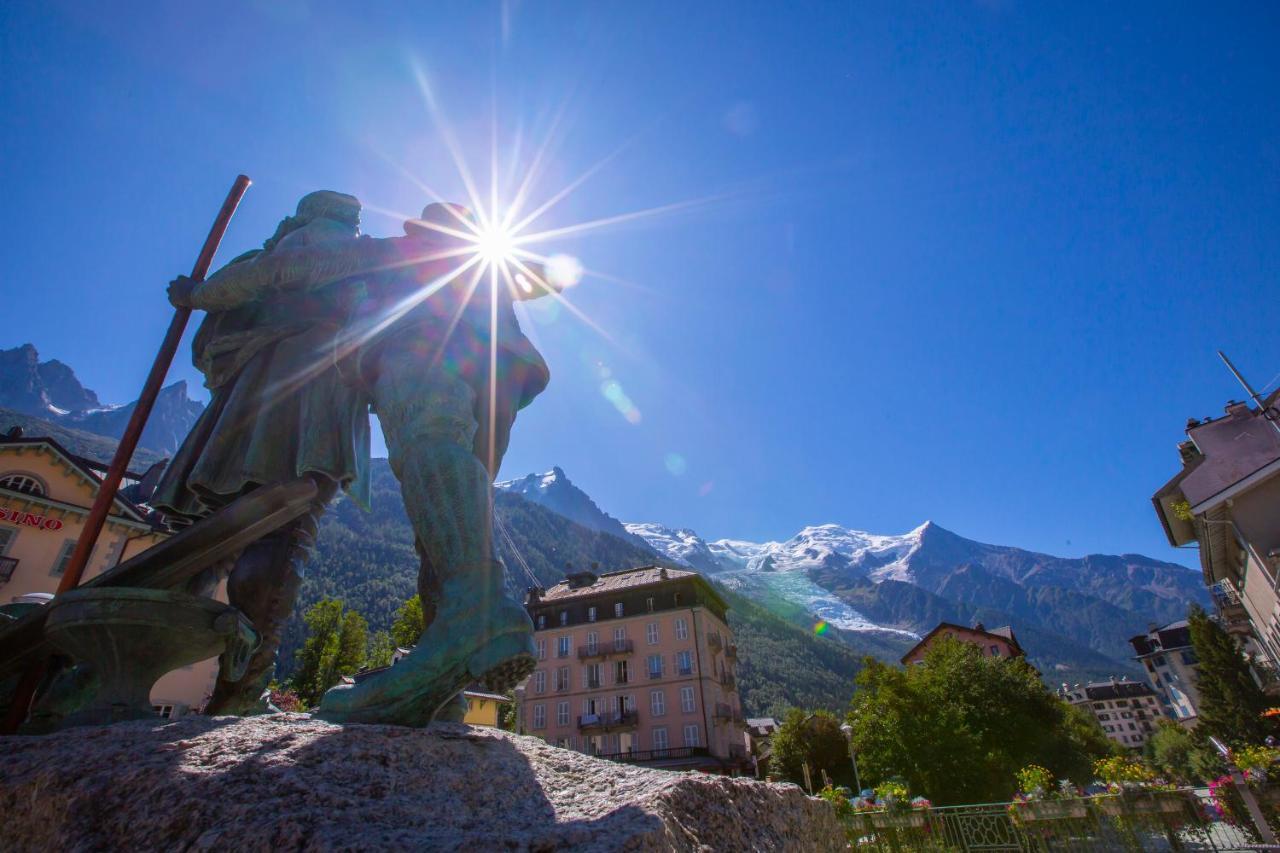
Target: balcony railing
x: 671, y: 754
x: 593, y: 684
x: 723, y: 712
x: 562, y: 686
x: 728, y: 682
x: 655, y: 673
x: 601, y: 650
x: 684, y: 670
x: 7, y: 567
x: 714, y: 641
x: 609, y: 721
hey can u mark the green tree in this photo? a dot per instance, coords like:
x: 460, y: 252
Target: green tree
x: 335, y: 646
x: 1231, y: 703
x: 1181, y: 756
x: 409, y: 623
x: 960, y: 726
x: 814, y: 739
x: 381, y: 649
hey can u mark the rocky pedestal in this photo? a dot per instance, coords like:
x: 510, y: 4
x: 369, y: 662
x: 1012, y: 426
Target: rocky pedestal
x: 287, y: 782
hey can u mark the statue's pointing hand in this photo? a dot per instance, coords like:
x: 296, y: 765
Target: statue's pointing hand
x: 180, y: 290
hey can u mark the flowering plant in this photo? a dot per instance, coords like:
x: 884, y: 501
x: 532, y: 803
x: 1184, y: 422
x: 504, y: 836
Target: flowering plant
x: 920, y: 803
x: 893, y: 796
x: 1122, y: 773
x: 1255, y: 760
x: 1034, y: 782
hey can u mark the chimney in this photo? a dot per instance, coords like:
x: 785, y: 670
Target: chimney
x: 662, y: 573
x: 1238, y: 410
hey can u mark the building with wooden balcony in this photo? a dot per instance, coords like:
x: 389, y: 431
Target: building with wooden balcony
x: 636, y: 666
x: 1226, y: 502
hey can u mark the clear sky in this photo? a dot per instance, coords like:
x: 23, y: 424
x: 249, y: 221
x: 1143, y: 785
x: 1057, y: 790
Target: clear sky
x: 966, y: 262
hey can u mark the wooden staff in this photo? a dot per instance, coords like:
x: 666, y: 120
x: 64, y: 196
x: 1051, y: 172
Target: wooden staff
x: 106, y: 496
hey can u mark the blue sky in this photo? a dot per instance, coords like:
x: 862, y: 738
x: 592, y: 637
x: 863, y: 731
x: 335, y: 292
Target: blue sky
x: 966, y: 261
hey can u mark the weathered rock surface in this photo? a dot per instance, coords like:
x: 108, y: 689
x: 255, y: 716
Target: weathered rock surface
x: 286, y: 782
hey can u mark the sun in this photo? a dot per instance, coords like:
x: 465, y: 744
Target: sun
x: 495, y: 244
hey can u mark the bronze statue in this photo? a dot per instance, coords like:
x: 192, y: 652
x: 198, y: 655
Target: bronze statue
x: 281, y: 408
x: 441, y: 357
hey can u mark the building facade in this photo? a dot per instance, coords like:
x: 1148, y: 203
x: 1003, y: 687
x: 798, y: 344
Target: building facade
x: 1171, y: 668
x: 1127, y: 710
x: 1226, y: 502
x: 636, y: 666
x: 45, y: 495
x: 999, y: 642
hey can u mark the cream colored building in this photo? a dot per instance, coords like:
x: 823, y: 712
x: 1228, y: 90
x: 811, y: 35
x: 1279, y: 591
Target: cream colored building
x: 1226, y: 502
x: 45, y: 495
x: 636, y: 666
x: 1126, y: 710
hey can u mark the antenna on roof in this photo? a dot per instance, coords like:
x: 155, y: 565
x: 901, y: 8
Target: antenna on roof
x: 1268, y: 412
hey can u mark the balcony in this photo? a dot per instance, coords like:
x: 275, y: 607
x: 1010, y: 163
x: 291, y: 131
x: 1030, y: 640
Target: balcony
x: 728, y: 682
x: 603, y: 650
x: 1229, y: 606
x: 714, y: 642
x: 684, y: 670
x: 562, y: 686
x: 723, y: 713
x: 731, y: 651
x: 608, y: 722
x: 655, y: 673
x: 676, y: 753
x: 7, y: 567
x: 1267, y: 676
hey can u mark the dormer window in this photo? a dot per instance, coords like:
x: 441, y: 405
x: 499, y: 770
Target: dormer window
x: 564, y: 617
x: 617, y: 610
x: 542, y: 621
x: 24, y: 483
x: 591, y: 614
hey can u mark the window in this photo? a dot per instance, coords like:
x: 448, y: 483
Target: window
x: 564, y: 617
x: 542, y: 649
x: 1188, y: 657
x: 165, y: 711
x: 648, y: 603
x: 1104, y: 716
x: 24, y: 483
x: 562, y: 678
x: 660, y: 737
x: 620, y: 674
x: 651, y: 633
x: 617, y: 610
x: 7, y: 535
x: 655, y: 666
x: 995, y: 651
x: 682, y: 629
x: 591, y: 614
x: 691, y: 735
x: 64, y: 557
x: 562, y: 646
x: 562, y: 714
x: 540, y: 682
x: 684, y: 663
x: 686, y: 700
x: 675, y: 599
x: 657, y: 703
x: 542, y: 621
x: 619, y: 639
x: 592, y: 641
x: 591, y: 676
x: 1132, y: 727
x: 539, y: 716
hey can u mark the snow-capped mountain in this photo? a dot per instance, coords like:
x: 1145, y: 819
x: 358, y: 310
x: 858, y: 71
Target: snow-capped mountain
x: 555, y: 491
x: 1082, y: 609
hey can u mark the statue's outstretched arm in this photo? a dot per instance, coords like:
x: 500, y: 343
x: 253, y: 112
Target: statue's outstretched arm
x: 291, y: 269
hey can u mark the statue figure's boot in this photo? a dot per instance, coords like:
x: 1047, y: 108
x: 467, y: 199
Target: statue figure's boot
x: 476, y: 632
x: 453, y: 711
x: 264, y: 585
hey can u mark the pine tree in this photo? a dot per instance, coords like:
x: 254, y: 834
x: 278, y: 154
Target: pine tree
x: 409, y: 623
x: 380, y: 650
x: 1231, y: 703
x: 336, y: 645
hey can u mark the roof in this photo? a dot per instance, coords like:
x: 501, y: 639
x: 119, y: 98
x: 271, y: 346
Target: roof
x: 1175, y: 635
x: 1234, y: 447
x: 1117, y: 689
x: 90, y: 469
x: 492, y: 697
x: 610, y: 582
x: 1004, y: 633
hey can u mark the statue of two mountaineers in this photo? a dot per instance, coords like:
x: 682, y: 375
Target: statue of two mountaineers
x: 301, y: 340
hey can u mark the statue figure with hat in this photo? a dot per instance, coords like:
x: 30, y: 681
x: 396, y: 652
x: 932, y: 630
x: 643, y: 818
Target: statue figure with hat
x: 440, y: 355
x: 281, y: 407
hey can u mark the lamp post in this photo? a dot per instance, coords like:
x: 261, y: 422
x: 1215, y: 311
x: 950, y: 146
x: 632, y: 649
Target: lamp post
x: 853, y: 758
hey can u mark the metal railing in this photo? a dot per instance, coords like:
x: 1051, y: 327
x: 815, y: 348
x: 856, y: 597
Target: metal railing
x: 1174, y: 820
x: 601, y: 650
x: 672, y: 754
x: 606, y: 721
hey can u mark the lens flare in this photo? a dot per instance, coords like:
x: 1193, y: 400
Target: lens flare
x: 821, y: 627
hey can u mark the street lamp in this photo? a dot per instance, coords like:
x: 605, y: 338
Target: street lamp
x: 848, y: 736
